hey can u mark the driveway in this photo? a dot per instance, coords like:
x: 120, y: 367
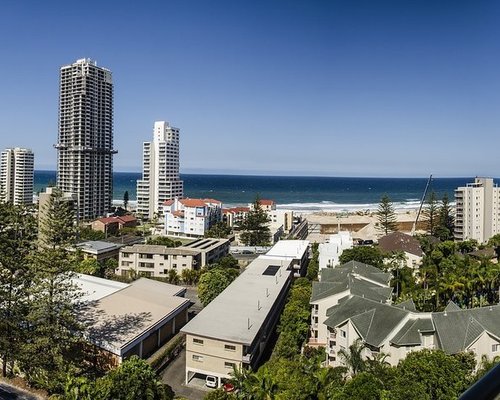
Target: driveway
x: 175, y: 375
x: 8, y: 392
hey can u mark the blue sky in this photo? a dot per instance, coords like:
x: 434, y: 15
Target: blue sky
x: 336, y: 88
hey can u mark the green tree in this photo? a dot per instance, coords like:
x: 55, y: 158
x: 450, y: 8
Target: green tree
x: 53, y: 326
x: 213, y: 282
x: 431, y: 214
x: 386, y: 216
x: 431, y: 375
x: 313, y: 266
x: 364, y: 386
x: 17, y: 239
x: 218, y: 394
x: 163, y: 241
x: 255, y: 227
x: 446, y: 221
x: 219, y: 231
x: 133, y: 379
x: 89, y: 266
x: 365, y: 254
x: 125, y: 199
x: 353, y: 357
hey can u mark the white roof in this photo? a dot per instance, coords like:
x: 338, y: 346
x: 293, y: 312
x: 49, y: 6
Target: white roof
x: 237, y: 314
x: 289, y: 248
x: 95, y: 288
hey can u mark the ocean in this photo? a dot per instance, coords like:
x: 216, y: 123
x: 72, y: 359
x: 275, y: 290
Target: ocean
x: 292, y: 192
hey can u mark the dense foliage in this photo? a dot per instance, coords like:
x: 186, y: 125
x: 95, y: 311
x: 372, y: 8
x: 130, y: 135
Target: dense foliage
x: 218, y: 231
x: 163, y: 241
x: 365, y: 254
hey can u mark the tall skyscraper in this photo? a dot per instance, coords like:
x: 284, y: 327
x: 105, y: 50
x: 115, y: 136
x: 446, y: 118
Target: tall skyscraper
x: 85, y: 142
x: 477, y: 213
x: 160, y: 171
x: 16, y: 176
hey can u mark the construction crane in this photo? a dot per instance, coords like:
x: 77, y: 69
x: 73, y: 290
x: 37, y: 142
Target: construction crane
x: 414, y: 228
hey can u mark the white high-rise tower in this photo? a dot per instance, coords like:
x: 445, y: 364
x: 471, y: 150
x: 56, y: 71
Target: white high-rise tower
x: 160, y: 171
x: 16, y: 176
x: 85, y: 142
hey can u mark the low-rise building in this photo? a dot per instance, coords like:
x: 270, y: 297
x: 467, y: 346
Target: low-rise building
x: 403, y: 243
x: 99, y: 250
x: 235, y: 328
x: 211, y: 250
x: 157, y: 260
x: 111, y: 225
x: 234, y: 216
x: 130, y: 319
x: 191, y: 217
x: 353, y: 302
x: 330, y: 252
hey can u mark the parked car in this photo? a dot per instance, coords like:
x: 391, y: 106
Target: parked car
x: 211, y: 381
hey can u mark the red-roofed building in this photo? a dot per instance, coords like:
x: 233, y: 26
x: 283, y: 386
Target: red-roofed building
x: 266, y: 205
x: 234, y: 216
x: 112, y: 225
x: 191, y: 217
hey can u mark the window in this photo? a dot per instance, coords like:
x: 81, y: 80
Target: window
x: 495, y: 347
x: 343, y: 333
x: 229, y: 365
x: 197, y: 341
x: 197, y: 358
x: 229, y: 347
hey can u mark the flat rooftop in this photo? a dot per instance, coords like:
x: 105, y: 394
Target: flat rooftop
x: 94, y: 288
x: 289, y: 248
x: 119, y: 319
x: 97, y: 246
x: 159, y: 249
x: 205, y: 244
x: 237, y: 314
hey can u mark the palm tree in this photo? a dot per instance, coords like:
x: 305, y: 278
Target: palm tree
x: 352, y: 357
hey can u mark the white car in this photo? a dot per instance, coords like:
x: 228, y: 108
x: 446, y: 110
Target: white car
x: 211, y: 381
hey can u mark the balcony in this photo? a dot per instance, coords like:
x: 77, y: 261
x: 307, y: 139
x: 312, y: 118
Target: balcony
x: 246, y: 359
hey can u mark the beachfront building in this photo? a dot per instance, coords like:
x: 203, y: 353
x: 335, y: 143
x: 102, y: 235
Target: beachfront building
x: 16, y: 176
x: 330, y: 252
x: 235, y: 328
x: 160, y: 171
x: 477, y: 210
x: 85, y: 141
x: 190, y: 217
x: 265, y: 204
x: 130, y: 319
x: 398, y: 242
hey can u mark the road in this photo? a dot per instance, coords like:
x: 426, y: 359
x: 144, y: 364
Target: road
x: 8, y: 392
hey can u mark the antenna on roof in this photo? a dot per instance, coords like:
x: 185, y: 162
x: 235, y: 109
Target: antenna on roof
x: 276, y: 279
x: 249, y: 326
x: 258, y: 305
x: 267, y: 292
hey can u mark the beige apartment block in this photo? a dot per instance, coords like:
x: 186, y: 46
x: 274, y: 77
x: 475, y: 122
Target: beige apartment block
x: 477, y: 210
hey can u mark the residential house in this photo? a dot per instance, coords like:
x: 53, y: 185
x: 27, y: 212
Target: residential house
x: 403, y: 243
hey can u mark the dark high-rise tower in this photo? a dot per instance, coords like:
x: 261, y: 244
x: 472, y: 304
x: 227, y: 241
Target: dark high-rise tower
x: 85, y: 142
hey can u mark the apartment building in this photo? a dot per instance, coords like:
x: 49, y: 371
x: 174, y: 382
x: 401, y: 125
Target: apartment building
x: 353, y: 302
x: 191, y: 217
x: 160, y: 171
x: 16, y: 176
x: 234, y: 216
x: 130, y: 319
x: 477, y: 210
x: 235, y: 328
x: 330, y: 252
x: 85, y: 141
x: 157, y: 261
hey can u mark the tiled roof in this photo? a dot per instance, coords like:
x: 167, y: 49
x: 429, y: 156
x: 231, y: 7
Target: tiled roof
x: 168, y: 203
x: 264, y: 202
x: 409, y: 334
x: 397, y: 241
x: 127, y: 218
x: 458, y: 329
x: 108, y: 220
x: 374, y: 320
x: 407, y: 305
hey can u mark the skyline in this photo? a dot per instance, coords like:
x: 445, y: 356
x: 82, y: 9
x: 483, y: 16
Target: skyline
x: 288, y: 88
